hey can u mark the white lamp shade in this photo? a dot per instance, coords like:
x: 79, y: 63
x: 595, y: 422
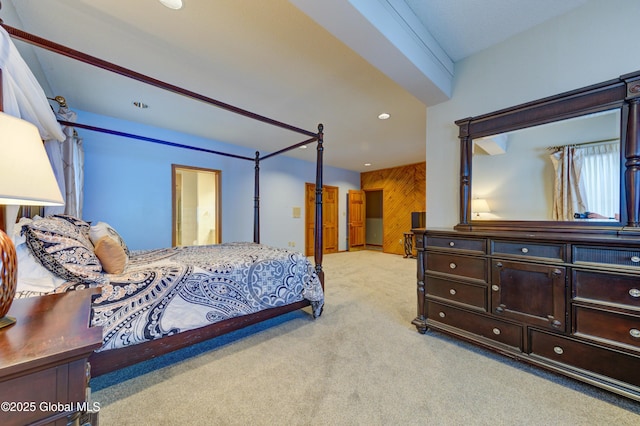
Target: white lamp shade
x: 26, y: 176
x: 172, y: 4
x: 480, y: 205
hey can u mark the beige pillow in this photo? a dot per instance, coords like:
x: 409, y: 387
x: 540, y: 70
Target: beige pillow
x: 111, y: 254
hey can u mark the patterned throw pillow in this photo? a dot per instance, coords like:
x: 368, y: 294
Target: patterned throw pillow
x: 61, y: 244
x: 83, y: 226
x: 102, y: 229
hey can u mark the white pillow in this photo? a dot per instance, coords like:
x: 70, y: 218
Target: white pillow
x: 32, y: 276
x: 102, y: 229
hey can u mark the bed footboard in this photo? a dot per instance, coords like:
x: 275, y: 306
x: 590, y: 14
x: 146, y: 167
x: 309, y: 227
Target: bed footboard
x: 114, y: 359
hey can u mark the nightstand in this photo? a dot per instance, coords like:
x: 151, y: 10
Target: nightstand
x: 44, y: 371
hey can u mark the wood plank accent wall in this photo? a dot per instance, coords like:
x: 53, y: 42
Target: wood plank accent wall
x: 404, y: 191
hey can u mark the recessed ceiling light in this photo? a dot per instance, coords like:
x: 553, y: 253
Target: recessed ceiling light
x: 384, y: 116
x: 172, y: 4
x: 303, y: 147
x: 141, y: 105
x: 367, y: 164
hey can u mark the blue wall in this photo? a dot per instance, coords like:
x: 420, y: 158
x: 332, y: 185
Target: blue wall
x: 128, y: 185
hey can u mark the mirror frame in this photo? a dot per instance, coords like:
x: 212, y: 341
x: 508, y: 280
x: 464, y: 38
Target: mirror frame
x: 622, y: 93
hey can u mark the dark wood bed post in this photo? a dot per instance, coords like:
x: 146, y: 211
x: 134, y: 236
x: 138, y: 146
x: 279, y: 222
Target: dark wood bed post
x: 256, y: 201
x: 318, y: 247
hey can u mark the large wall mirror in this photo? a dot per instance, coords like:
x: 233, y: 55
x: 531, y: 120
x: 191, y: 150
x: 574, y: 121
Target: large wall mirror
x: 568, y: 170
x: 569, y: 162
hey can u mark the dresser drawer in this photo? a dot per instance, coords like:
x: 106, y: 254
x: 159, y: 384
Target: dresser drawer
x: 555, y: 252
x: 629, y: 257
x: 613, y: 327
x: 474, y: 296
x: 454, y: 243
x: 489, y: 328
x: 603, y: 361
x: 607, y: 288
x: 463, y: 266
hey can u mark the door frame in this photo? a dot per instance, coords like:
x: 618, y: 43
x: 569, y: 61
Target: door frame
x: 381, y: 190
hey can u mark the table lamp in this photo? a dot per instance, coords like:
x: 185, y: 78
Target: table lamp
x: 479, y: 205
x: 26, y: 179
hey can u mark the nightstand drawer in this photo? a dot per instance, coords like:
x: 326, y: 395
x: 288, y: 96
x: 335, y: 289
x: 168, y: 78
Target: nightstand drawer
x: 607, y: 288
x: 463, y: 266
x: 474, y: 296
x: 64, y: 385
x: 555, y: 252
x: 469, y: 244
x: 584, y: 356
x: 609, y: 256
x: 609, y: 326
x: 489, y: 328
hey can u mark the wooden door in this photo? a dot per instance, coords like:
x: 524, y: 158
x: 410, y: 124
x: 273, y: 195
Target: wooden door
x: 329, y: 218
x: 357, y: 212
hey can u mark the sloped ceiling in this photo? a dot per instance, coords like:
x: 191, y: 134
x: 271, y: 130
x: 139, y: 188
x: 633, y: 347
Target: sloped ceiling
x: 302, y: 62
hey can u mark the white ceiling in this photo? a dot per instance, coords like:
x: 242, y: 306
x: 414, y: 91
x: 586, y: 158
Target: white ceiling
x: 302, y: 62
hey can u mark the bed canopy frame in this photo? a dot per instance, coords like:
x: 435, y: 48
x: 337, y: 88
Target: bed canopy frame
x: 106, y: 361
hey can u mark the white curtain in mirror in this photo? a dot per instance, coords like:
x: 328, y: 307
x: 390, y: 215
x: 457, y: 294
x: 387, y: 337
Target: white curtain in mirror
x: 602, y: 179
x: 569, y: 192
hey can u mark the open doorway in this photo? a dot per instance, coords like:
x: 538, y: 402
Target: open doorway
x: 196, y: 206
x: 374, y: 235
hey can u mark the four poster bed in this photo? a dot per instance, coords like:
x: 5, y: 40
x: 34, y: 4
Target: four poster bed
x: 166, y: 299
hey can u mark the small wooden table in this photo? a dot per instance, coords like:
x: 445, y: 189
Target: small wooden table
x: 408, y: 245
x: 44, y: 373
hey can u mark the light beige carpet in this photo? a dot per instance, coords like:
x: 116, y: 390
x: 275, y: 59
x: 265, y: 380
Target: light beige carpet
x: 361, y: 363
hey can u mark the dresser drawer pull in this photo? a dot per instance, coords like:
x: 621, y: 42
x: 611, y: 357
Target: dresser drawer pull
x: 525, y: 250
x: 635, y: 259
x: 496, y: 331
x: 453, y: 265
x: 634, y: 292
x: 495, y: 287
x: 635, y: 333
x: 441, y: 314
x: 499, y: 310
x: 451, y: 244
x: 452, y: 292
x: 558, y: 350
x: 499, y: 264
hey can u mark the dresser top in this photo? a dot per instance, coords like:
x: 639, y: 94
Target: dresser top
x: 568, y: 237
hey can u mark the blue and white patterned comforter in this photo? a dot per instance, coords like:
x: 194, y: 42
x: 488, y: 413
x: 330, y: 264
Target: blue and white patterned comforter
x: 167, y: 291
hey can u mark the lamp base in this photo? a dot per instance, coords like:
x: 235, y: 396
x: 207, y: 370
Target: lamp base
x: 8, y: 274
x: 7, y: 321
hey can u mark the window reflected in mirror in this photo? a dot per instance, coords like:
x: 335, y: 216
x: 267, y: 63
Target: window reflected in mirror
x: 567, y: 170
x: 196, y: 206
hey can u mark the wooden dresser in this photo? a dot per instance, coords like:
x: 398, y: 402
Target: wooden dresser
x: 44, y: 372
x: 566, y: 302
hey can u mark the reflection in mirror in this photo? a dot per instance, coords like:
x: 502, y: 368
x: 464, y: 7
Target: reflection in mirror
x: 196, y: 206
x: 558, y: 171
